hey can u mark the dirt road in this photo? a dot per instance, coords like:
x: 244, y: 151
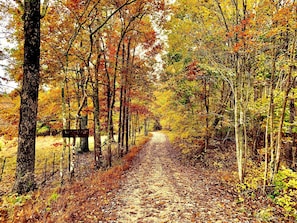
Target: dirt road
x: 159, y: 189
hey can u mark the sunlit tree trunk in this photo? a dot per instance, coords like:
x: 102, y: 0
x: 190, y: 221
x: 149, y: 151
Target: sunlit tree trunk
x: 97, y: 126
x: 269, y: 143
x: 81, y: 104
x: 127, y: 119
x: 121, y: 127
x: 238, y: 133
x: 206, y: 105
x: 266, y: 150
x: 289, y: 85
x: 82, y: 80
x: 292, y: 146
x: 271, y: 123
x: 65, y: 122
x: 239, y: 100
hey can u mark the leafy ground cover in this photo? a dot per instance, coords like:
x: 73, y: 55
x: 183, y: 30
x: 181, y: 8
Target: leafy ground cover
x: 73, y: 202
x: 218, y: 166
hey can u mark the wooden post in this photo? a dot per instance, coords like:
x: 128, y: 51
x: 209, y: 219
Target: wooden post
x: 2, y: 169
x: 54, y: 165
x: 72, y: 158
x: 69, y: 154
x: 146, y: 126
x: 45, y: 164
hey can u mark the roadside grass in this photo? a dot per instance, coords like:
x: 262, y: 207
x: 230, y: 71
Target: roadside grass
x: 48, y: 153
x: 48, y: 150
x: 56, y: 203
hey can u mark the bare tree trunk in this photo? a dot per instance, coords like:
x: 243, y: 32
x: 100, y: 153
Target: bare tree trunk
x: 72, y: 158
x: 82, y: 121
x: 206, y: 105
x: 25, y: 180
x: 120, y: 127
x: 127, y: 117
x: 282, y: 117
x: 238, y: 136
x: 290, y: 83
x: 97, y: 126
x: 292, y: 135
x: 146, y: 125
x: 266, y: 149
x: 66, y: 125
x: 84, y: 142
x: 271, y: 119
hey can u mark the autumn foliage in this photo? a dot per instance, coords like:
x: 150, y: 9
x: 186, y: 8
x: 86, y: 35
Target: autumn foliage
x: 219, y: 76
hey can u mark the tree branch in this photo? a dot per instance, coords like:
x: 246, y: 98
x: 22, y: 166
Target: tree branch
x: 20, y: 4
x: 111, y: 15
x: 43, y: 8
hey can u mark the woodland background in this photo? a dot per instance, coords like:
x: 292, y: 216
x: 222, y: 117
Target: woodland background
x: 218, y: 76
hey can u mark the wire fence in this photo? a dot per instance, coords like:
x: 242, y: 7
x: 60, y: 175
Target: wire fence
x: 48, y: 168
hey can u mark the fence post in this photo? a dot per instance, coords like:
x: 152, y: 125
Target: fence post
x: 45, y: 164
x: 69, y: 156
x: 54, y: 165
x: 73, y: 158
x: 2, y: 169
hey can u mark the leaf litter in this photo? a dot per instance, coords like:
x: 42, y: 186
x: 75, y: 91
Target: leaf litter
x: 159, y: 188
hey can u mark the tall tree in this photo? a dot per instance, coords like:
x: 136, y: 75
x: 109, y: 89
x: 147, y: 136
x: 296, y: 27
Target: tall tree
x: 29, y: 99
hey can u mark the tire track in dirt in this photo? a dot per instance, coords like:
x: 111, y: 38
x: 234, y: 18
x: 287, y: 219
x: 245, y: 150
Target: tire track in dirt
x: 159, y: 189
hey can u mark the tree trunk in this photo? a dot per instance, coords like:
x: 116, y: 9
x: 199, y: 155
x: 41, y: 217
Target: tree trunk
x: 97, y: 127
x: 238, y: 135
x: 127, y: 118
x: 29, y: 99
x: 280, y: 128
x: 109, y: 122
x: 66, y: 125
x: 290, y: 83
x: 82, y: 102
x: 120, y: 129
x: 292, y: 135
x: 271, y: 117
x: 206, y: 104
x: 281, y: 121
x: 84, y: 142
x: 146, y: 124
x: 72, y: 158
x: 122, y: 106
x: 266, y: 148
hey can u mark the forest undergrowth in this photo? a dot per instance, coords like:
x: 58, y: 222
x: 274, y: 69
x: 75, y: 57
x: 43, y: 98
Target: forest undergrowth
x: 277, y: 204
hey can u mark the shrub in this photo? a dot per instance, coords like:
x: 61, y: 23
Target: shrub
x: 1, y: 145
x: 265, y: 215
x: 285, y: 191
